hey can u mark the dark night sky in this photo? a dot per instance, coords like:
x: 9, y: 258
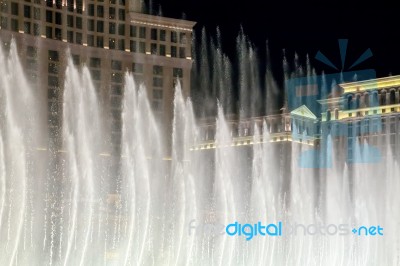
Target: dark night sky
x: 301, y: 27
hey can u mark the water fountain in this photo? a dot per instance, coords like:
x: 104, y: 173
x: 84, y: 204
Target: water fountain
x: 70, y: 206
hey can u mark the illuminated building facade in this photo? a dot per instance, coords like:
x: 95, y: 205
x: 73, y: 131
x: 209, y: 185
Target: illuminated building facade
x: 110, y: 37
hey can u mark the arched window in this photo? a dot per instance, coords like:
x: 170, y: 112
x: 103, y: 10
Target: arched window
x: 328, y: 115
x: 383, y: 97
x: 349, y: 102
x: 374, y: 99
x: 366, y: 99
x: 358, y: 97
x: 392, y: 97
x: 336, y: 114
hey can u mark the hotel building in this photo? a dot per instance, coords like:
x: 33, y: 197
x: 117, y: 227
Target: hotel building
x: 110, y: 37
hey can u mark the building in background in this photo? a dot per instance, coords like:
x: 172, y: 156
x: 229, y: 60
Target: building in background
x: 110, y: 37
x: 358, y: 122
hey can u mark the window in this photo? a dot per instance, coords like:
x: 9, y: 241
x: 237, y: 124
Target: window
x: 58, y: 18
x: 36, y: 29
x: 3, y: 23
x: 49, y: 32
x: 96, y: 74
x: 70, y: 21
x: 4, y: 7
x: 95, y: 62
x: 111, y: 28
x: 31, y: 51
x: 157, y: 82
x: 49, y: 16
x: 14, y: 9
x: 27, y: 11
x: 116, y: 90
x: 162, y: 50
x: 100, y: 41
x: 177, y: 72
x: 78, y: 38
x: 36, y: 13
x: 117, y: 77
x: 173, y: 51
x: 111, y: 43
x: 116, y: 65
x: 31, y: 64
x: 153, y: 34
x: 174, y: 37
x: 157, y: 70
x: 53, y: 68
x: 70, y: 5
x: 91, y: 10
x: 121, y: 14
x: 52, y: 81
x: 49, y: 3
x: 157, y: 94
x: 121, y: 29
x: 27, y: 27
x: 70, y: 36
x: 75, y: 59
x: 133, y: 31
x: 142, y: 47
x: 163, y: 35
x: 182, y: 38
x: 90, y: 25
x: 111, y: 13
x: 90, y: 40
x: 133, y: 46
x: 78, y: 22
x: 121, y: 45
x: 181, y: 52
x: 142, y: 32
x: 137, y: 68
x: 100, y: 26
x: 100, y: 11
x: 14, y: 25
x: 153, y: 48
x: 58, y: 34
